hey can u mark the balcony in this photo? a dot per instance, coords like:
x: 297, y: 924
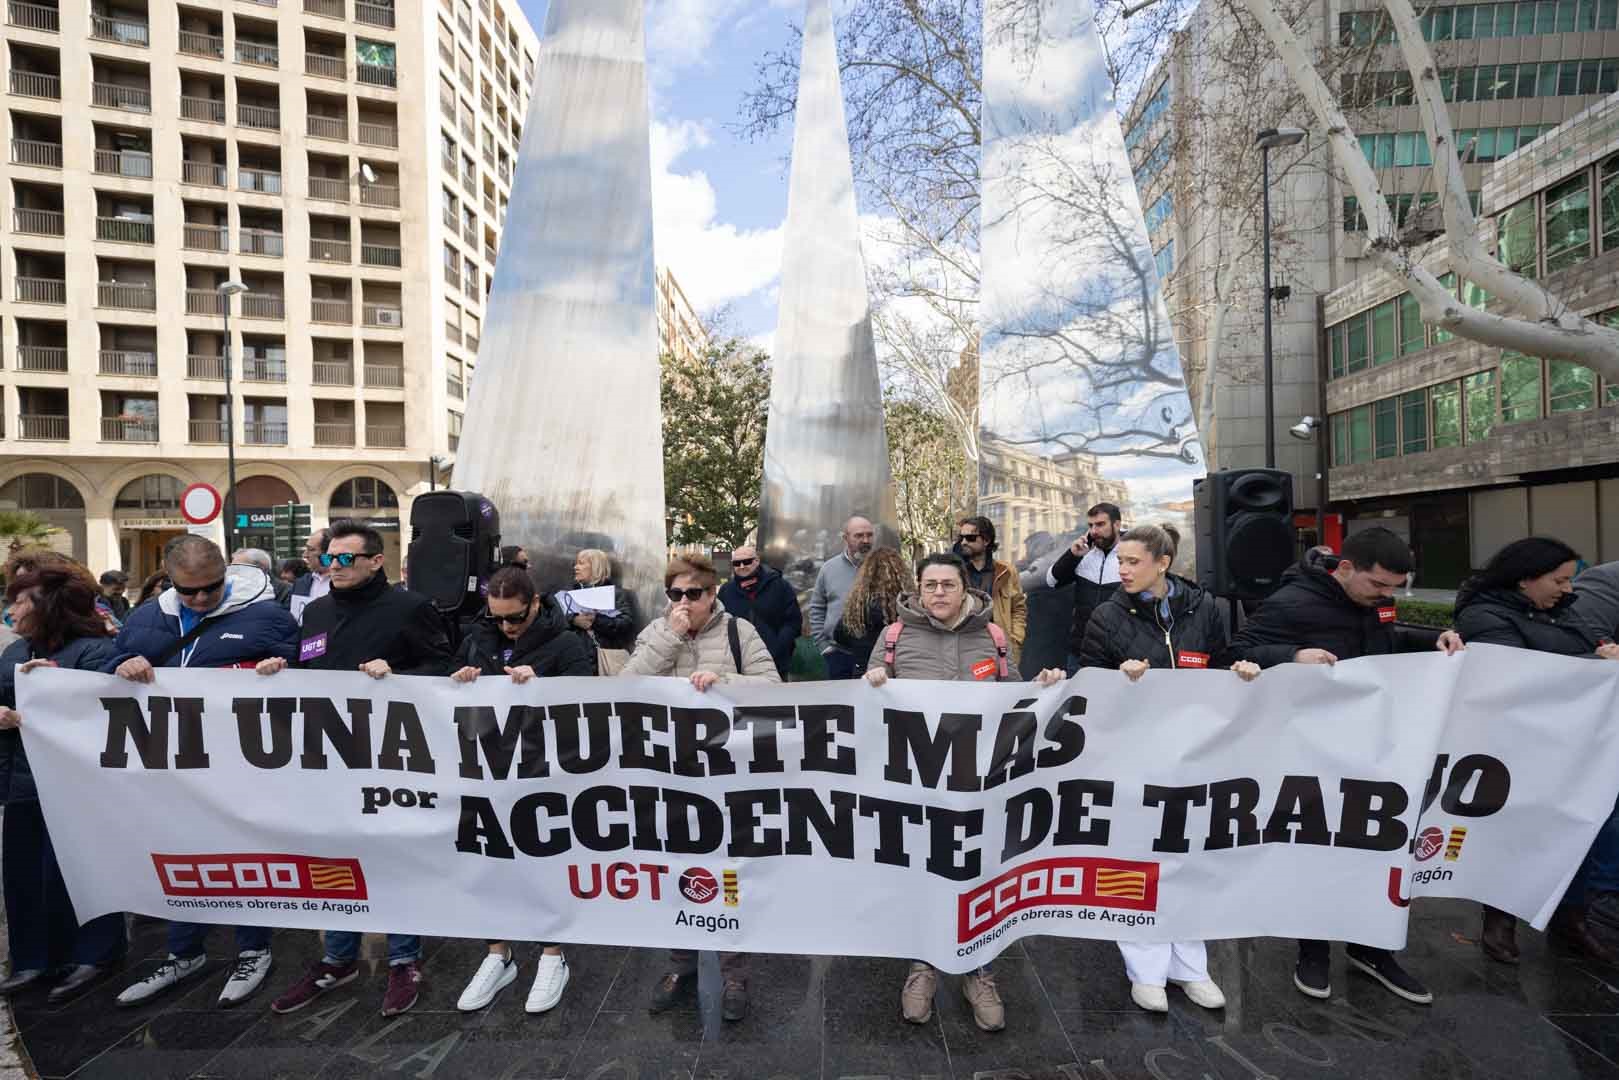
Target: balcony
x: 372, y: 134
x: 255, y: 54
x: 203, y: 110
x: 333, y: 373
x: 376, y: 75
x: 333, y: 434
x: 266, y: 432
x: 208, y: 432
x: 266, y: 242
x: 261, y: 306
x: 117, y: 230
x: 40, y: 290
x: 452, y: 386
x: 472, y: 342
x: 35, y: 428
x: 135, y: 297
x: 330, y: 9
x: 206, y: 237
x: 330, y: 251
x: 488, y: 155
x: 202, y: 173
x: 452, y: 276
x: 325, y: 67
x: 204, y: 366
x: 261, y: 117
x: 128, y: 429
x: 374, y: 14
x: 41, y: 358
x: 36, y: 84
x: 197, y: 43
x: 385, y: 376
x: 122, y: 31
x: 382, y: 195
x: 204, y: 302
x: 448, y: 160
x: 45, y: 155
x: 452, y: 333
x: 505, y: 173
x: 135, y: 163
x: 333, y: 312
x: 446, y: 105
x: 489, y: 254
x: 46, y: 20
x: 260, y: 180
x: 387, y: 436
x: 469, y: 129
x: 36, y: 222
x: 329, y: 127
x: 261, y: 369
x: 329, y: 188
x: 489, y: 204
x: 450, y: 219
x: 118, y: 96
x: 380, y: 255
x: 140, y: 365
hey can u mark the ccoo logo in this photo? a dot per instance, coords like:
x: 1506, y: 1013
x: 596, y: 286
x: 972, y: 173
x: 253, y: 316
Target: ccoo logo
x: 698, y: 885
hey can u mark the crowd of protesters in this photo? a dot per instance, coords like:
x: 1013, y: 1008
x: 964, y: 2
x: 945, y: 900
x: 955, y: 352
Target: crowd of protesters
x: 962, y: 615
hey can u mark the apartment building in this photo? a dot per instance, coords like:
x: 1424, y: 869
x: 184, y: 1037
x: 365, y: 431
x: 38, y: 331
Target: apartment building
x: 1031, y: 497
x: 348, y: 161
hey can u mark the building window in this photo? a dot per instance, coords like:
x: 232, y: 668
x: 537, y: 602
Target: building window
x: 1413, y: 334
x: 365, y: 493
x: 1335, y: 346
x: 1610, y: 202
x: 1520, y: 388
x: 1383, y: 344
x: 151, y: 492
x: 1156, y: 107
x: 1340, y: 439
x: 1474, y: 296
x: 1355, y: 359
x: 1516, y: 240
x: 1447, y: 414
x: 1570, y: 387
x: 1164, y: 259
x: 1159, y: 212
x: 1414, y: 422
x: 1360, y: 434
x: 1386, y: 428
x: 1479, y: 394
x: 1568, y: 223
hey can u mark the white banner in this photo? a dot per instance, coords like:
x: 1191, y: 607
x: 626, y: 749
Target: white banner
x: 940, y: 821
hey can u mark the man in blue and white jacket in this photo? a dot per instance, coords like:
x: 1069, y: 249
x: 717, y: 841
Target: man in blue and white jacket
x: 213, y: 615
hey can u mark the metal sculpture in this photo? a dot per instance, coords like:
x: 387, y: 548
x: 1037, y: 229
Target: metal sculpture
x: 826, y: 450
x: 564, y: 430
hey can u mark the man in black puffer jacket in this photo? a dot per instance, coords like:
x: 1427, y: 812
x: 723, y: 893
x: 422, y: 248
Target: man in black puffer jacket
x: 759, y: 594
x: 1323, y: 613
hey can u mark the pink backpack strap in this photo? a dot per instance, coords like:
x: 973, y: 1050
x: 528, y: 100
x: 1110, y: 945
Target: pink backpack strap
x: 998, y: 636
x: 891, y: 642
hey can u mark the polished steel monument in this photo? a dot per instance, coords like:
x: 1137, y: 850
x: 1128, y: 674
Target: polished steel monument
x: 564, y: 432
x: 826, y: 452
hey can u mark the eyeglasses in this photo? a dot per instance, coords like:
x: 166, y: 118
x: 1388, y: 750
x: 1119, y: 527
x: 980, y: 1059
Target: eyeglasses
x: 941, y: 586
x: 509, y: 620
x: 193, y: 590
x: 968, y: 538
x: 693, y: 594
x: 347, y: 558
x: 743, y: 562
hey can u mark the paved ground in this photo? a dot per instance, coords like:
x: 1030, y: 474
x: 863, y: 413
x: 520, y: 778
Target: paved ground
x: 837, y: 1019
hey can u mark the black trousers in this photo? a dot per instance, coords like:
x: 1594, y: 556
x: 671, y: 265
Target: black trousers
x: 42, y: 928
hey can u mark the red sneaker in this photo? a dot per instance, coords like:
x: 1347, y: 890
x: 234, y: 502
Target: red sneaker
x: 404, y: 986
x: 320, y: 978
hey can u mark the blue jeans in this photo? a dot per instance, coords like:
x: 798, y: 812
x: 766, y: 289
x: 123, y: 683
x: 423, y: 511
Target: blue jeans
x: 1072, y: 665
x: 44, y: 931
x: 1600, y: 870
x: 187, y: 939
x: 343, y: 948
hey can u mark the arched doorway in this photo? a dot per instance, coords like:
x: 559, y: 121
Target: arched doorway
x: 372, y: 501
x: 256, y: 500
x: 147, y: 513
x: 55, y: 501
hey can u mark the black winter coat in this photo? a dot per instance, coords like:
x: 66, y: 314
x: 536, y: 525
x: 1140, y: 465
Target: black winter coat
x: 347, y: 628
x: 1310, y: 610
x: 861, y: 647
x: 1505, y: 617
x: 616, y: 631
x: 1088, y: 595
x: 548, y: 646
x: 773, y: 611
x: 1128, y: 628
x: 80, y: 654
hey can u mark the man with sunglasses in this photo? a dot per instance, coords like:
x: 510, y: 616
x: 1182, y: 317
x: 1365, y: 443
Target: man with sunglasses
x: 211, y: 616
x: 314, y: 584
x: 759, y: 594
x: 364, y: 624
x: 975, y: 543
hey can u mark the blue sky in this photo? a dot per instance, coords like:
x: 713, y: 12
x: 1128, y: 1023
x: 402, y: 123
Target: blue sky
x: 718, y: 201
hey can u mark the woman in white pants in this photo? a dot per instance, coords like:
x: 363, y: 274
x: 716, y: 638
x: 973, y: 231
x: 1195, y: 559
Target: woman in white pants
x: 1156, y: 619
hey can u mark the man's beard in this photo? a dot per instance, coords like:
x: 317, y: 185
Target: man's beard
x: 857, y: 556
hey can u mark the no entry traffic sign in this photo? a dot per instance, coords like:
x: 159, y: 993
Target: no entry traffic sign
x: 200, y: 503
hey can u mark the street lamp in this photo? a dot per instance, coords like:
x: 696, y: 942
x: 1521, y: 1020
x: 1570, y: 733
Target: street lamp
x: 1267, y: 140
x: 227, y: 290
x: 1305, y: 429
x: 434, y: 464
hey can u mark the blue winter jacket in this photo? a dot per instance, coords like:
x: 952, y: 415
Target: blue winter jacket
x: 81, y: 654
x: 248, y: 626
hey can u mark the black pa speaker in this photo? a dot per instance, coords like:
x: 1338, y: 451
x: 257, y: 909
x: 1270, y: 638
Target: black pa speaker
x: 454, y: 547
x: 1244, y: 521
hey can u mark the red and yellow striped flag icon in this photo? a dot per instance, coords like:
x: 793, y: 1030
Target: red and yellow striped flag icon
x: 331, y: 876
x: 1121, y: 884
x: 1453, y: 846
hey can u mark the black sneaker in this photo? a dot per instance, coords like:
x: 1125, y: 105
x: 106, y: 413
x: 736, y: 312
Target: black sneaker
x: 1381, y: 965
x: 734, y: 1002
x: 1313, y: 973
x: 670, y: 989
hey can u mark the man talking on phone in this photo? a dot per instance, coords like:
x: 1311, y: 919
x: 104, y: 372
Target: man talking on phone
x: 1093, y: 566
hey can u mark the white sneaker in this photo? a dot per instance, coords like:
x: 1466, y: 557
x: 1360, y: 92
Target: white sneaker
x: 494, y: 975
x: 169, y: 972
x: 1151, y: 998
x: 252, y: 965
x: 549, y: 982
x: 1204, y: 992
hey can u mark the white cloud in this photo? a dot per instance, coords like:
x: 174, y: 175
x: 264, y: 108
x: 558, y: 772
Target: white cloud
x: 681, y: 33
x: 715, y: 262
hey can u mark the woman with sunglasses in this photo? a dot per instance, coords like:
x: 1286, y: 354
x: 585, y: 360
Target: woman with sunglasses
x: 525, y: 636
x: 53, y: 608
x: 699, y: 641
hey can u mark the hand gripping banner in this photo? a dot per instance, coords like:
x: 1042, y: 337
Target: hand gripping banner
x: 937, y: 821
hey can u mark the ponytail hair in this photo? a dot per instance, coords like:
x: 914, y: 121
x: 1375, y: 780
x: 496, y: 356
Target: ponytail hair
x: 1159, y: 540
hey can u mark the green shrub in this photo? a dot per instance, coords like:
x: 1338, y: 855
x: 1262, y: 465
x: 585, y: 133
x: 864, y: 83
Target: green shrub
x: 1425, y: 613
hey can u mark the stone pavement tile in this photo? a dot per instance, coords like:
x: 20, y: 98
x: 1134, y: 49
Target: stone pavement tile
x: 1132, y: 1045
x: 626, y: 1045
x: 780, y: 1038
x: 864, y: 1034
x: 413, y: 1043
x: 1034, y: 1040
x: 1599, y: 1033
x: 1080, y: 974
x: 169, y: 1044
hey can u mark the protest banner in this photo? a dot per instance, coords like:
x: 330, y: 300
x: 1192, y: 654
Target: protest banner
x: 940, y: 821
